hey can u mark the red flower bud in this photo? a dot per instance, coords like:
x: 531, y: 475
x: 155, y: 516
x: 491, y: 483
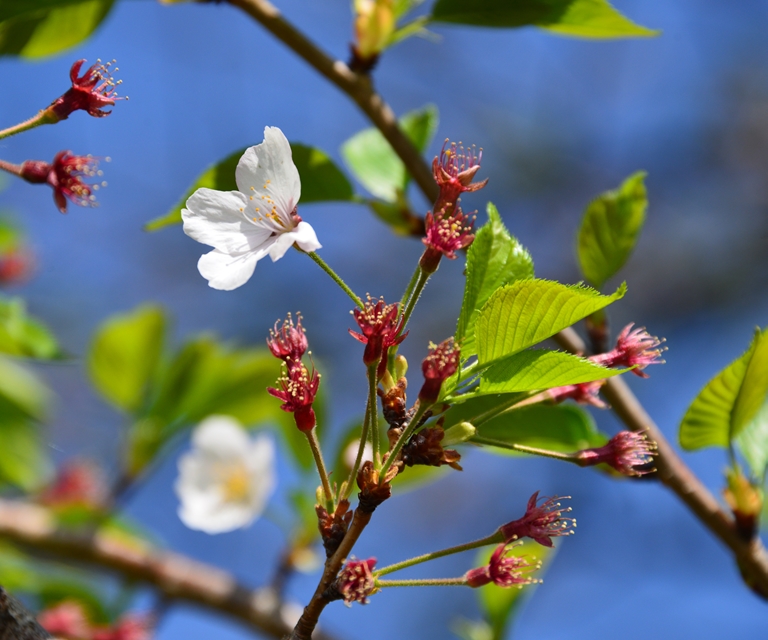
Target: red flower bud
x: 90, y: 92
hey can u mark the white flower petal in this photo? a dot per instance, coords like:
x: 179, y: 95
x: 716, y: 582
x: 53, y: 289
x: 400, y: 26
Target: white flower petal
x: 306, y: 238
x: 266, y: 172
x: 217, y: 218
x: 226, y: 272
x: 281, y: 244
x: 221, y: 436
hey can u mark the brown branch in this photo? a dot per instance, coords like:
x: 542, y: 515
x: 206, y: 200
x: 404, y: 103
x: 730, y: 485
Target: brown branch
x: 751, y: 556
x: 175, y: 577
x: 357, y: 86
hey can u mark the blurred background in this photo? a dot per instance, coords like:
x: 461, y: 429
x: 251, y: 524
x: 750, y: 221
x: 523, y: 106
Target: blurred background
x: 560, y: 121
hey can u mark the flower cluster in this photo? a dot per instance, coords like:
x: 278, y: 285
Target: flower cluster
x: 69, y: 620
x: 298, y: 386
x: 226, y: 479
x: 356, y: 582
x: 91, y: 92
x: 380, y: 327
x: 65, y: 176
x: 504, y: 569
x: 541, y: 522
x: 627, y: 452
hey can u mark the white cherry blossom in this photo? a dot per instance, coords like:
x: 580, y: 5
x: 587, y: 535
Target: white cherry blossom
x: 226, y: 479
x: 257, y: 220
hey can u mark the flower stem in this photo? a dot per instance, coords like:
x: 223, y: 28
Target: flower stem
x: 373, y: 416
x: 567, y: 457
x: 409, y: 289
x: 415, y: 295
x: 15, y: 169
x: 42, y: 117
x: 336, y: 278
x: 425, y: 582
x: 360, y: 450
x: 494, y: 538
x: 318, y: 455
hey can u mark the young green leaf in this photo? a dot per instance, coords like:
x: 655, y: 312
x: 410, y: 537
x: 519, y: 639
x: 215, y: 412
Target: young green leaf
x: 125, y: 354
x: 727, y: 404
x: 321, y: 181
x: 526, y: 312
x: 558, y: 427
x: 374, y: 163
x: 22, y: 394
x: 541, y: 369
x: 22, y: 335
x: 23, y: 463
x: 494, y: 259
x: 610, y: 229
x: 752, y: 442
x: 580, y: 18
x: 40, y: 28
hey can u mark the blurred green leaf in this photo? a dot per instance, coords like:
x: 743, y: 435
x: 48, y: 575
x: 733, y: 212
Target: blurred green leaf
x: 21, y: 335
x: 321, y: 181
x: 494, y: 259
x: 541, y: 369
x: 610, y: 229
x: 23, y: 463
x: 752, y: 442
x: 125, y: 354
x: 580, y: 18
x: 500, y: 605
x: 727, y: 404
x: 374, y: 162
x: 22, y: 394
x: 40, y: 28
x: 522, y: 314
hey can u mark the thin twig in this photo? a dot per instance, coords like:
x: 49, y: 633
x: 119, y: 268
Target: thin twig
x: 174, y: 576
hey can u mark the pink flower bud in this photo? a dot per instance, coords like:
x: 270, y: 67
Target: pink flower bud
x: 503, y: 570
x: 634, y: 347
x: 356, y: 582
x: 626, y: 451
x: 378, y: 322
x: 90, y: 92
x: 65, y: 176
x: 437, y: 367
x: 540, y: 522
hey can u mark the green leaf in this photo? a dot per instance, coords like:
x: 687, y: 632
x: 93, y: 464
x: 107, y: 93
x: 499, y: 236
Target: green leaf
x: 541, y: 369
x: 321, y: 181
x: 40, y: 28
x: 557, y: 427
x: 374, y: 162
x: 580, y: 18
x: 610, y: 229
x: 526, y: 312
x: 494, y: 259
x: 23, y: 463
x: 125, y: 354
x: 752, y: 442
x: 22, y: 394
x: 21, y: 335
x: 499, y: 605
x: 729, y: 401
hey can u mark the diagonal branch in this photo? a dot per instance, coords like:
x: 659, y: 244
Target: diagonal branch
x: 751, y: 556
x: 357, y: 86
x: 176, y: 577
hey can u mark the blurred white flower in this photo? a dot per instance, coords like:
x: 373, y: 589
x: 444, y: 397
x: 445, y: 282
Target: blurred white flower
x: 257, y: 220
x: 226, y: 479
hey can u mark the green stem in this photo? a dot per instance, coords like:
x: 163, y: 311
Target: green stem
x: 505, y: 407
x: 42, y: 117
x: 567, y: 457
x: 336, y: 278
x: 426, y: 582
x: 494, y: 538
x: 360, y: 451
x: 404, y: 436
x: 415, y: 295
x: 409, y: 289
x: 373, y: 416
x: 318, y: 455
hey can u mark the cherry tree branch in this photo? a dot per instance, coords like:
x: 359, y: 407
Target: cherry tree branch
x: 751, y: 556
x: 174, y: 576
